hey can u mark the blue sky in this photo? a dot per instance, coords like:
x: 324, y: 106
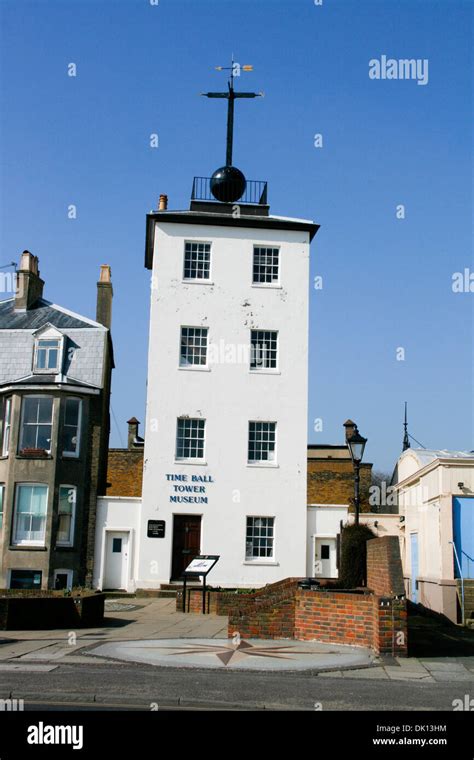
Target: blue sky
x: 387, y: 282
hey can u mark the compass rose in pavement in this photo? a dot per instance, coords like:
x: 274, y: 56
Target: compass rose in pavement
x: 234, y: 653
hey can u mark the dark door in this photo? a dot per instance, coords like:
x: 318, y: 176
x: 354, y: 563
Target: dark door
x: 186, y: 542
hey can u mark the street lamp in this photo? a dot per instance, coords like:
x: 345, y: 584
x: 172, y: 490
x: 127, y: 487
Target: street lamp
x: 356, y: 444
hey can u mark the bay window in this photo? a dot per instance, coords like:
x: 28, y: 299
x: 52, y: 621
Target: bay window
x: 72, y: 412
x: 36, y: 423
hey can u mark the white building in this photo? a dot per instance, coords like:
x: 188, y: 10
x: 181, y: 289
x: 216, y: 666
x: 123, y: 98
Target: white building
x: 225, y: 443
x: 226, y: 431
x: 436, y: 500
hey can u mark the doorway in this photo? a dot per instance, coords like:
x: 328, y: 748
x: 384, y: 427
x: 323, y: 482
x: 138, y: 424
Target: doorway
x: 325, y: 558
x: 116, y: 561
x: 186, y: 543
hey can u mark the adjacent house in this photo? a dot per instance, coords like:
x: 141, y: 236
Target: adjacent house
x: 436, y: 502
x: 55, y: 374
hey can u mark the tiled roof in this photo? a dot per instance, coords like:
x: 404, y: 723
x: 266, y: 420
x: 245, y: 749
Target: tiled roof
x: 37, y: 316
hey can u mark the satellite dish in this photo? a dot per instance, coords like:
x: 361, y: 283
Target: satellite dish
x: 228, y: 184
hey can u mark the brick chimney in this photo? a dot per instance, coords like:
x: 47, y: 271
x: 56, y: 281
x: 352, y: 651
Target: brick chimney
x: 133, y: 424
x: 105, y: 294
x: 163, y: 202
x: 350, y: 429
x: 29, y: 285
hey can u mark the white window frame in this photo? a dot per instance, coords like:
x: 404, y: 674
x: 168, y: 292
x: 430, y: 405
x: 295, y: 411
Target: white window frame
x: 28, y: 542
x: 70, y: 542
x: 199, y: 280
x: 198, y: 460
x: 7, y: 425
x: 193, y: 366
x: 36, y: 395
x: 48, y: 370
x: 2, y: 504
x: 263, y: 369
x: 72, y: 454
x: 260, y: 559
x: 263, y: 462
x: 274, y: 283
x: 64, y: 571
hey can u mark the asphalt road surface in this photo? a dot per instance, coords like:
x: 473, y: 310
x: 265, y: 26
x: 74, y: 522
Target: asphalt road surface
x: 132, y: 686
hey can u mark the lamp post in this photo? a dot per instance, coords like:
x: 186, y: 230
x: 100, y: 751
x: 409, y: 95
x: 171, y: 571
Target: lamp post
x: 356, y: 444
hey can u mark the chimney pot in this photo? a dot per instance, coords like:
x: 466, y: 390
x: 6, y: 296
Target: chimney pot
x: 350, y: 428
x: 104, y: 297
x: 29, y: 285
x: 163, y: 203
x: 133, y: 424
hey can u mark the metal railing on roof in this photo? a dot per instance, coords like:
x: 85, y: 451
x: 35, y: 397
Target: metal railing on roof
x: 255, y: 191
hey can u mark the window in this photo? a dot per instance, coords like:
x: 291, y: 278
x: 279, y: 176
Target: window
x: 190, y: 439
x: 259, y: 537
x: 25, y: 579
x: 37, y: 421
x: 116, y: 545
x: 263, y: 349
x: 262, y: 439
x: 63, y: 579
x: 193, y: 351
x: 266, y: 265
x: 7, y: 411
x: 71, y: 427
x: 66, y: 512
x: 47, y: 355
x: 29, y: 524
x: 2, y: 498
x: 197, y: 261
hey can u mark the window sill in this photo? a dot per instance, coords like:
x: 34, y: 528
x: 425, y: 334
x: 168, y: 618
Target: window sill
x: 261, y: 562
x: 264, y: 372
x: 263, y: 466
x: 34, y: 457
x: 194, y: 369
x: 27, y: 548
x: 266, y: 286
x: 64, y: 547
x: 198, y: 462
x: 197, y: 282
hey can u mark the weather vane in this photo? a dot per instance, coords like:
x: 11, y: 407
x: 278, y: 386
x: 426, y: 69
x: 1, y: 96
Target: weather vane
x: 228, y: 183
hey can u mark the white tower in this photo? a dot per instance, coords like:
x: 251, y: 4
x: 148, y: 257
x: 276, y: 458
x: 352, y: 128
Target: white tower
x: 226, y: 427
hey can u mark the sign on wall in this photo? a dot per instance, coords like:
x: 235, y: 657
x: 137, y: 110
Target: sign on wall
x: 156, y: 529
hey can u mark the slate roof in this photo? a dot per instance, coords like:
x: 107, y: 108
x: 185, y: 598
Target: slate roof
x: 38, y: 315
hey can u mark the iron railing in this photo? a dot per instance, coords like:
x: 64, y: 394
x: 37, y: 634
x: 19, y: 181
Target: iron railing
x: 255, y: 191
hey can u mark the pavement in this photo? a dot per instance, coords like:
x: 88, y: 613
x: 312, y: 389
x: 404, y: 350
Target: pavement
x: 170, y: 638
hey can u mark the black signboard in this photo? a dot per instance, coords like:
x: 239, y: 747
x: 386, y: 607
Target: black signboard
x: 156, y: 529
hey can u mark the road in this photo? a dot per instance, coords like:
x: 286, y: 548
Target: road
x: 132, y: 685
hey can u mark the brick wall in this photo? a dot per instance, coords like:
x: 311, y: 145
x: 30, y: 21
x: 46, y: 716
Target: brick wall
x: 336, y: 617
x: 332, y: 482
x: 373, y: 618
x: 384, y: 566
x: 125, y: 472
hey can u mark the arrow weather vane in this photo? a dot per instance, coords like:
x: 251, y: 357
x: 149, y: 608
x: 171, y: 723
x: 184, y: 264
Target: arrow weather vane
x: 231, y: 96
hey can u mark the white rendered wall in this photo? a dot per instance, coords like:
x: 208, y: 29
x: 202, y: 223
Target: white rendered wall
x: 121, y: 514
x: 227, y: 397
x: 323, y: 521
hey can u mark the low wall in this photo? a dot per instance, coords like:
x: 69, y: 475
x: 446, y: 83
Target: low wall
x: 335, y: 617
x: 43, y: 612
x: 221, y: 602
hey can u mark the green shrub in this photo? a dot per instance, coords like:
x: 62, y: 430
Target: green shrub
x: 353, y: 562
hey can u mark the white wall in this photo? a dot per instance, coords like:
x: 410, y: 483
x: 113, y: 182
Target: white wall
x: 117, y: 513
x: 323, y: 521
x: 228, y: 396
